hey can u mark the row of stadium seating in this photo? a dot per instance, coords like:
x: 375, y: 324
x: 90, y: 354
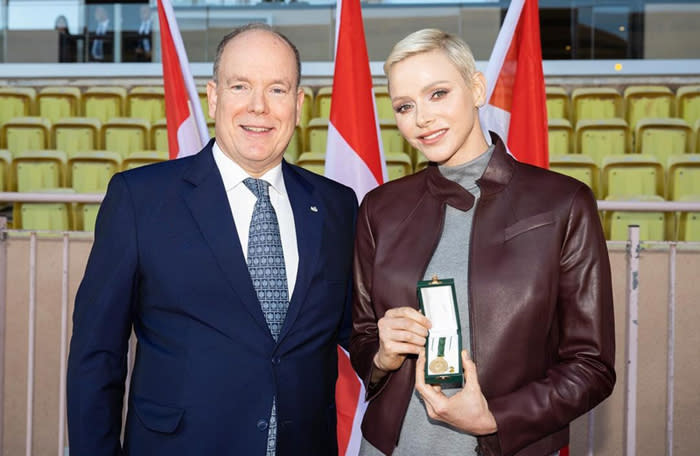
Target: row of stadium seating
x: 147, y: 102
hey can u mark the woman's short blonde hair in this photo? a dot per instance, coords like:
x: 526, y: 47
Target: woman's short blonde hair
x: 428, y: 40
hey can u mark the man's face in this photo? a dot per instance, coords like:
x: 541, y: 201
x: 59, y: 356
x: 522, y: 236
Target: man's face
x: 255, y: 102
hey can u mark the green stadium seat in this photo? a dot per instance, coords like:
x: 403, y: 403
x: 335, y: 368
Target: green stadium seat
x: 652, y: 225
x: 203, y: 101
x: 322, y: 102
x: 398, y: 165
x: 59, y: 102
x: 313, y: 161
x: 689, y: 222
x: 294, y: 148
x: 307, y: 109
x: 317, y: 135
x: 159, y: 135
x: 143, y: 157
x: 683, y: 176
x: 663, y: 137
x: 601, y: 138
x: 581, y: 167
x: 90, y: 171
x: 16, y: 102
x: 85, y: 216
x: 147, y: 103
x: 631, y: 175
x: 557, y: 103
x: 647, y: 101
x: 104, y: 103
x: 688, y: 103
x: 35, y: 170
x: 76, y: 134
x: 560, y: 136
x: 125, y: 135
x: 596, y: 103
x: 26, y: 133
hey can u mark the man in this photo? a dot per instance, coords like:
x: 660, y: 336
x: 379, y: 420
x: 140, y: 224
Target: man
x: 224, y: 365
x: 100, y: 49
x: 143, y: 40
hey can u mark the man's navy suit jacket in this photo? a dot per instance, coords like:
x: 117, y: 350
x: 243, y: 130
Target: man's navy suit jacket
x: 167, y: 260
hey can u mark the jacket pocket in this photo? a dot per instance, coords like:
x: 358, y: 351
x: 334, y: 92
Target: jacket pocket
x: 156, y: 417
x: 530, y: 223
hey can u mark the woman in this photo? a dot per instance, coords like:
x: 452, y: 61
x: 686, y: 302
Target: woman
x: 528, y: 257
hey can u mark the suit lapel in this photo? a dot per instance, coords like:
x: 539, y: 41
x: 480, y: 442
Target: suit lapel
x: 308, y: 222
x: 207, y: 201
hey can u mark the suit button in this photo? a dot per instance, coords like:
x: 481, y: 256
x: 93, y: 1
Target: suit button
x: 276, y: 360
x: 262, y: 425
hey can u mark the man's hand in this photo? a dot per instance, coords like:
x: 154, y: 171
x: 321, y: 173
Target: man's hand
x: 467, y: 410
x: 402, y: 331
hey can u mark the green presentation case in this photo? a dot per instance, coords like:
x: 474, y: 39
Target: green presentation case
x: 443, y: 346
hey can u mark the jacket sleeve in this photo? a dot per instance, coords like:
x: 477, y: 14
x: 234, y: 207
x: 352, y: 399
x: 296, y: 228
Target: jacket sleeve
x: 364, y: 341
x: 102, y: 321
x: 583, y: 374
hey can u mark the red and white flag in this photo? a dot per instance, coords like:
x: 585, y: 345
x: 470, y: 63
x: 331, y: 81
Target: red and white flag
x: 187, y: 129
x: 353, y: 157
x: 516, y: 106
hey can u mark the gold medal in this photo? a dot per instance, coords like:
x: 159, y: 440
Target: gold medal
x: 439, y: 364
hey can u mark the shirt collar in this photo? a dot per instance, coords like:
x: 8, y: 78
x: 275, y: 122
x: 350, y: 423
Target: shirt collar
x: 233, y: 175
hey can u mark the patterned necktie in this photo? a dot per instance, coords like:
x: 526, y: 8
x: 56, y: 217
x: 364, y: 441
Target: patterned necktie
x: 267, y: 270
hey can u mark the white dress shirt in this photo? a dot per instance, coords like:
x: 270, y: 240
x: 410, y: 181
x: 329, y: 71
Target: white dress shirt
x: 242, y: 202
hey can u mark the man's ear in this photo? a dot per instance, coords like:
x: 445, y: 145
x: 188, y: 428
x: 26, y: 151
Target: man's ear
x: 211, y: 98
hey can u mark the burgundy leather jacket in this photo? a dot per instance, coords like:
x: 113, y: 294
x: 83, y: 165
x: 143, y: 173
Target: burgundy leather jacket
x: 541, y: 310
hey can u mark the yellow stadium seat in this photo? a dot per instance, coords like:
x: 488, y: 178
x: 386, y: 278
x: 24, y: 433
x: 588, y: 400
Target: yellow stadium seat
x: 688, y: 103
x: 203, y: 101
x: 142, y: 158
x: 392, y: 141
x: 59, y: 102
x: 683, y: 176
x: 581, y: 167
x: 44, y: 216
x: 85, y: 216
x: 596, y: 103
x: 647, y: 101
x: 76, y: 134
x: 307, y: 109
x: 689, y: 222
x: 317, y: 135
x: 560, y: 136
x: 397, y: 165
x: 26, y: 133
x: 652, y: 225
x: 313, y: 161
x: 16, y: 102
x: 294, y: 148
x: 159, y: 135
x: 631, y: 175
x: 322, y: 102
x: 125, y: 135
x: 601, y: 138
x: 147, y: 103
x: 383, y: 102
x: 34, y: 170
x: 557, y: 103
x: 90, y: 171
x: 663, y: 137
x: 696, y: 137
x: 5, y: 167
x: 104, y: 103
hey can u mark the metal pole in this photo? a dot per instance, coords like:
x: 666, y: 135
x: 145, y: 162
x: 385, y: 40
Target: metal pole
x: 30, y: 342
x: 62, y: 360
x: 632, y: 345
x: 670, y: 359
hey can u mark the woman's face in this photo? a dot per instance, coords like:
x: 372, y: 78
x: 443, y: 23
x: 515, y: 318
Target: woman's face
x: 436, y: 110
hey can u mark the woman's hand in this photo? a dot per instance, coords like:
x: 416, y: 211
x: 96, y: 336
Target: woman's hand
x: 402, y: 332
x: 467, y: 410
